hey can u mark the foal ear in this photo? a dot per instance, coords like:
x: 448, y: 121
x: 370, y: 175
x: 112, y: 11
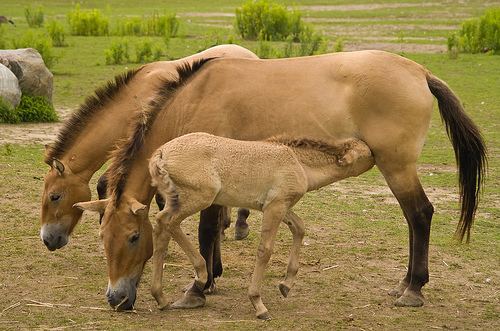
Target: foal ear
x: 98, y: 205
x: 137, y: 208
x: 58, y: 165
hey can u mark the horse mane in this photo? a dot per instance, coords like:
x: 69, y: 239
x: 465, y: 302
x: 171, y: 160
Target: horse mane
x: 127, y: 149
x: 82, y: 117
x: 312, y: 144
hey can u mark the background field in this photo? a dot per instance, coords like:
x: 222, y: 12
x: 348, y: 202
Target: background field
x: 356, y: 242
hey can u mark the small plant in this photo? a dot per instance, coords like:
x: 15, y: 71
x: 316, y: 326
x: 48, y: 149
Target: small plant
x: 87, y: 22
x: 481, y: 34
x: 39, y: 41
x: 7, y: 113
x: 154, y: 25
x: 34, y: 16
x: 36, y: 109
x: 147, y: 52
x: 339, y: 45
x: 118, y: 53
x: 453, y: 46
x: 56, y: 33
x: 266, y: 51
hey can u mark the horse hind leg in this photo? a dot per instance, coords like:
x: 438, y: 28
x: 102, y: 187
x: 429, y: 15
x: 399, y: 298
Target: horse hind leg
x: 296, y: 226
x: 418, y: 212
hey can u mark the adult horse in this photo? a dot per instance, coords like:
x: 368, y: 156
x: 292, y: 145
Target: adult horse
x: 380, y: 98
x: 84, y: 143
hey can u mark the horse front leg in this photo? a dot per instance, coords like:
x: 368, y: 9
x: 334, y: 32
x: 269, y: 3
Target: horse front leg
x: 418, y: 212
x: 161, y: 239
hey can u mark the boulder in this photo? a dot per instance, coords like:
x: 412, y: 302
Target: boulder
x: 29, y: 68
x: 9, y: 86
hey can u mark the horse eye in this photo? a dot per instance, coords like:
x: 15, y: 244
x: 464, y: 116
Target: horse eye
x: 55, y: 197
x: 134, y: 238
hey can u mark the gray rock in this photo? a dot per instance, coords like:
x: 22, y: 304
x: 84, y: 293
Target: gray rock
x: 29, y: 68
x: 9, y: 86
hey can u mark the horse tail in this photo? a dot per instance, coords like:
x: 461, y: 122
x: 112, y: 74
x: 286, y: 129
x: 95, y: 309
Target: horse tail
x: 470, y: 151
x: 161, y: 179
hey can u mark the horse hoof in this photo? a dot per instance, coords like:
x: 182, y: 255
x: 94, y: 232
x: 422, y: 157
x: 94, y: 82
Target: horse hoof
x: 264, y: 316
x: 284, y: 290
x: 410, y: 299
x: 188, y: 302
x: 241, y: 232
x: 398, y: 291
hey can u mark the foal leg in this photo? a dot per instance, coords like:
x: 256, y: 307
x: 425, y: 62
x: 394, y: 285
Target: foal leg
x: 241, y: 229
x: 209, y: 241
x: 418, y: 212
x: 296, y: 226
x: 161, y: 239
x: 273, y: 215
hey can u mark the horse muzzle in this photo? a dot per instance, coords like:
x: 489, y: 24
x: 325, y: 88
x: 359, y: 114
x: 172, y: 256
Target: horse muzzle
x: 122, y: 296
x: 54, y: 236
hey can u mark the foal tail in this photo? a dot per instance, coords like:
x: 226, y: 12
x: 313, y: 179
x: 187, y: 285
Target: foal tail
x: 161, y: 179
x: 470, y: 151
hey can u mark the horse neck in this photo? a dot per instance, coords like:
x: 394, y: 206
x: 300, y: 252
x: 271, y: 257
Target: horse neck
x: 320, y: 168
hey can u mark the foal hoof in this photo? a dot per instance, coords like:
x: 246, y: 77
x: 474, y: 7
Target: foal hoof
x: 264, y: 316
x: 284, y: 290
x: 410, y: 299
x: 241, y: 231
x: 210, y: 290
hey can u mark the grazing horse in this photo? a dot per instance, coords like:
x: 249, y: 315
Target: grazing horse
x: 4, y: 19
x: 380, y: 98
x: 197, y: 170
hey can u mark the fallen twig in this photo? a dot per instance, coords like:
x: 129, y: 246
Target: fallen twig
x: 368, y: 305
x: 10, y: 307
x: 330, y: 267
x: 94, y: 308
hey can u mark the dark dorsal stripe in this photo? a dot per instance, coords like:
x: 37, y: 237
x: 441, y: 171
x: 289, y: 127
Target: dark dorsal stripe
x: 82, y: 117
x: 125, y: 153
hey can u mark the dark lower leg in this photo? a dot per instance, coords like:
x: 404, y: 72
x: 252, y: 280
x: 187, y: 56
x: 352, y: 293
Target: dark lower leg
x: 160, y: 201
x: 241, y: 228
x: 208, y: 234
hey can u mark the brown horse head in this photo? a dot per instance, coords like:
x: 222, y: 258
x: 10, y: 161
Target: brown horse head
x: 126, y: 233
x: 61, y: 191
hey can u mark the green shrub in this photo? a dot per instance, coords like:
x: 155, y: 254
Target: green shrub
x: 117, y: 53
x: 39, y: 41
x: 147, y: 52
x: 3, y: 40
x: 266, y: 20
x: 56, y: 33
x: 339, y: 45
x: 480, y: 34
x: 7, y: 113
x: 87, y: 22
x: 36, y: 109
x: 34, y: 16
x: 154, y: 25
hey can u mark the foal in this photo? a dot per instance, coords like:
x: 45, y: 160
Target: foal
x: 197, y: 170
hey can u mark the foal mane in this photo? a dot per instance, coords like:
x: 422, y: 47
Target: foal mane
x: 312, y: 144
x: 82, y: 117
x: 127, y: 149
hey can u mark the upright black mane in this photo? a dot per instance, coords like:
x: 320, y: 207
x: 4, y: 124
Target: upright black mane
x: 80, y: 119
x: 126, y: 151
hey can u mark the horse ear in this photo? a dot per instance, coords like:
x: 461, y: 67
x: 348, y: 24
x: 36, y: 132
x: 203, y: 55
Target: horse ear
x: 97, y: 206
x: 58, y: 165
x: 137, y: 208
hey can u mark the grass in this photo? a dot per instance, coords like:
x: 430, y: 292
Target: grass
x: 354, y: 225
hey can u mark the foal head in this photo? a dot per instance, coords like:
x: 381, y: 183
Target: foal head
x: 62, y: 190
x: 127, y: 236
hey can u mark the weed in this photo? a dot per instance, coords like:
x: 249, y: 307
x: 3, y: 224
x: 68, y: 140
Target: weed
x: 57, y: 33
x: 339, y: 45
x: 87, y: 22
x: 118, y: 53
x: 481, y: 34
x: 7, y: 150
x: 453, y: 46
x: 34, y: 16
x: 7, y: 113
x: 154, y: 25
x: 39, y: 41
x: 36, y: 109
x: 147, y: 52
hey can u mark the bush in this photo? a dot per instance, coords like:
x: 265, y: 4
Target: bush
x: 56, y: 33
x: 147, y: 52
x: 39, y: 41
x: 479, y: 34
x: 34, y: 16
x: 266, y: 20
x: 36, y: 109
x: 87, y: 22
x: 154, y: 25
x: 117, y: 53
x: 7, y: 113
